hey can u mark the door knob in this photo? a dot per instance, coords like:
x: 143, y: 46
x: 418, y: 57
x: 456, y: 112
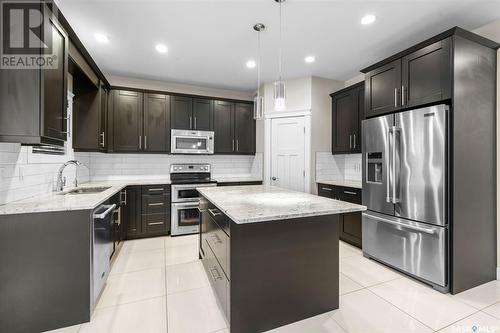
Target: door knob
x: 274, y: 178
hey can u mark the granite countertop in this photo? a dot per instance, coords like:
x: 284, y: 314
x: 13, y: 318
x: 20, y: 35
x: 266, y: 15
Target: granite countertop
x: 230, y: 179
x: 249, y: 204
x: 52, y: 202
x: 344, y: 183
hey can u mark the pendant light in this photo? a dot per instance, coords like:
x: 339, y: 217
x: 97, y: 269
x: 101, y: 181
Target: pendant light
x: 279, y: 86
x: 258, y: 101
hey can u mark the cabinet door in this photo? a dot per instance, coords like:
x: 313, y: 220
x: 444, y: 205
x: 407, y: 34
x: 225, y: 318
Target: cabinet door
x: 358, y: 115
x: 128, y: 121
x: 103, y: 118
x: 203, y: 114
x: 350, y: 224
x: 182, y: 112
x: 426, y: 75
x: 343, y: 122
x: 133, y: 211
x: 244, y: 129
x: 55, y: 83
x: 224, y: 127
x: 156, y: 123
x: 382, y: 93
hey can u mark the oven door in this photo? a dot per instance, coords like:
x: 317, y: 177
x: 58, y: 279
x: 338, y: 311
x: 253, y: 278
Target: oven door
x: 192, y: 142
x: 185, y: 218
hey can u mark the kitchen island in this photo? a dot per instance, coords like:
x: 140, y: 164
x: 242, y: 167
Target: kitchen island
x: 271, y: 254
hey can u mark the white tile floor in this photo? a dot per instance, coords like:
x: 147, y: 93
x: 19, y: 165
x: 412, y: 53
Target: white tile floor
x: 158, y: 285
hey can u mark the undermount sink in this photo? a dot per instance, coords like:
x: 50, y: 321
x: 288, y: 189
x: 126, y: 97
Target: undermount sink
x: 87, y: 190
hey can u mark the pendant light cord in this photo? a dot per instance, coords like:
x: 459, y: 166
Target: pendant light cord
x: 258, y: 68
x: 281, y: 44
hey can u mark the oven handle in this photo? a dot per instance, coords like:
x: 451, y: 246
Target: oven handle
x: 185, y: 204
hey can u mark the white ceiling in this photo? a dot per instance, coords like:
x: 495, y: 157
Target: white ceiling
x: 209, y: 42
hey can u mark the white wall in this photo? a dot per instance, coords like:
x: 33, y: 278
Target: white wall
x: 177, y: 88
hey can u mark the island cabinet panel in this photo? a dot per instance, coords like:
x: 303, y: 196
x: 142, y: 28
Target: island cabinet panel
x: 253, y: 267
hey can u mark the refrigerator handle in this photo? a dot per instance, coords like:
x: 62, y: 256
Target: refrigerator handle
x: 395, y: 177
x: 388, y: 198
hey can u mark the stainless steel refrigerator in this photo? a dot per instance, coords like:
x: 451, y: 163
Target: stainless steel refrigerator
x: 405, y: 187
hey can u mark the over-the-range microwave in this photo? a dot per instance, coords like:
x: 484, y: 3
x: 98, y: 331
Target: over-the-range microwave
x: 192, y: 142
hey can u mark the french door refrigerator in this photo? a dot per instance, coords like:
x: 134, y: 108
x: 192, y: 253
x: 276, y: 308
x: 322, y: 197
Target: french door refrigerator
x: 405, y: 187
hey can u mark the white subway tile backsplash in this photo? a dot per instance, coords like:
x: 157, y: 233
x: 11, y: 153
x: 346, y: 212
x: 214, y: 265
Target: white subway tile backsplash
x: 338, y: 167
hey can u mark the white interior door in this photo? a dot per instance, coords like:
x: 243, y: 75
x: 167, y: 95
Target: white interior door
x: 288, y: 153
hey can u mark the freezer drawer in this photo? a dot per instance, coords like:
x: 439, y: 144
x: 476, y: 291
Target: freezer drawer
x: 416, y: 248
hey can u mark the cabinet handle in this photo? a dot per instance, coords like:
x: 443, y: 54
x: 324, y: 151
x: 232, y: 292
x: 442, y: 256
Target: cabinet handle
x: 190, y: 122
x: 102, y: 136
x: 217, y: 212
x: 237, y: 144
x: 156, y: 189
x: 395, y: 97
x: 217, y: 239
x: 354, y: 135
x: 215, y: 278
x: 140, y: 142
x: 195, y: 126
x: 124, y: 201
x: 156, y: 223
x: 350, y: 141
x: 156, y: 204
x: 402, y: 95
x: 349, y: 192
x: 326, y: 189
x: 233, y: 144
x: 145, y: 142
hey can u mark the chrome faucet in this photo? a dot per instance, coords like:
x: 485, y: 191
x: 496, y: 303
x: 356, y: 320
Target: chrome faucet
x: 61, y: 181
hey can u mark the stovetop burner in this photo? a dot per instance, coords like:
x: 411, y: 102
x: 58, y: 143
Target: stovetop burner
x: 190, y: 174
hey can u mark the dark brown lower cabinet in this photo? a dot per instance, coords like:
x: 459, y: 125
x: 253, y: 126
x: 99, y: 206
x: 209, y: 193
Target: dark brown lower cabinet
x: 147, y: 211
x: 350, y: 229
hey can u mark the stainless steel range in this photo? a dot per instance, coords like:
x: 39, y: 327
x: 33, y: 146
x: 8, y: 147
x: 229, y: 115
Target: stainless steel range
x: 185, y: 179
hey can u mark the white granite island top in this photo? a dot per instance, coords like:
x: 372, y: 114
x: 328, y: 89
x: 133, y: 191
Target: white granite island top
x: 259, y: 203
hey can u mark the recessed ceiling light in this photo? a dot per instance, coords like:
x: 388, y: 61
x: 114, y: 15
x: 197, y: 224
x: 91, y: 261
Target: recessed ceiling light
x: 251, y: 64
x: 310, y: 59
x: 368, y: 19
x: 101, y: 38
x: 161, y: 48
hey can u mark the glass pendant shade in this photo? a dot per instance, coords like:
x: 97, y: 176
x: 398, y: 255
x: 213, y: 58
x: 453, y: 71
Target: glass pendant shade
x: 258, y: 107
x: 279, y: 95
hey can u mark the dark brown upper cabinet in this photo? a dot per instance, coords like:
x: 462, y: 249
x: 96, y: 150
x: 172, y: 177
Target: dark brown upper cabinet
x: 426, y: 75
x: 234, y: 128
x: 422, y: 76
x: 347, y: 112
x: 383, y: 87
x: 33, y: 102
x: 223, y: 128
x: 192, y: 113
x: 128, y: 116
x: 156, y: 123
x: 244, y: 129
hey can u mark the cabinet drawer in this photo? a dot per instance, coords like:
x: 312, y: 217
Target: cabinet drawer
x: 219, y: 217
x: 155, y: 204
x: 155, y: 222
x: 217, y: 280
x: 155, y: 189
x: 349, y: 194
x: 326, y: 191
x: 219, y: 243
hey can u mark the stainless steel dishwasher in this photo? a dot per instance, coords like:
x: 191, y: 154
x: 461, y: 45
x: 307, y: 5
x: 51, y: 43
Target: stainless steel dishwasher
x: 101, y: 249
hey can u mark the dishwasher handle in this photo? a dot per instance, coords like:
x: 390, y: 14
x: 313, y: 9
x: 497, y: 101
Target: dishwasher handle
x: 109, y: 209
